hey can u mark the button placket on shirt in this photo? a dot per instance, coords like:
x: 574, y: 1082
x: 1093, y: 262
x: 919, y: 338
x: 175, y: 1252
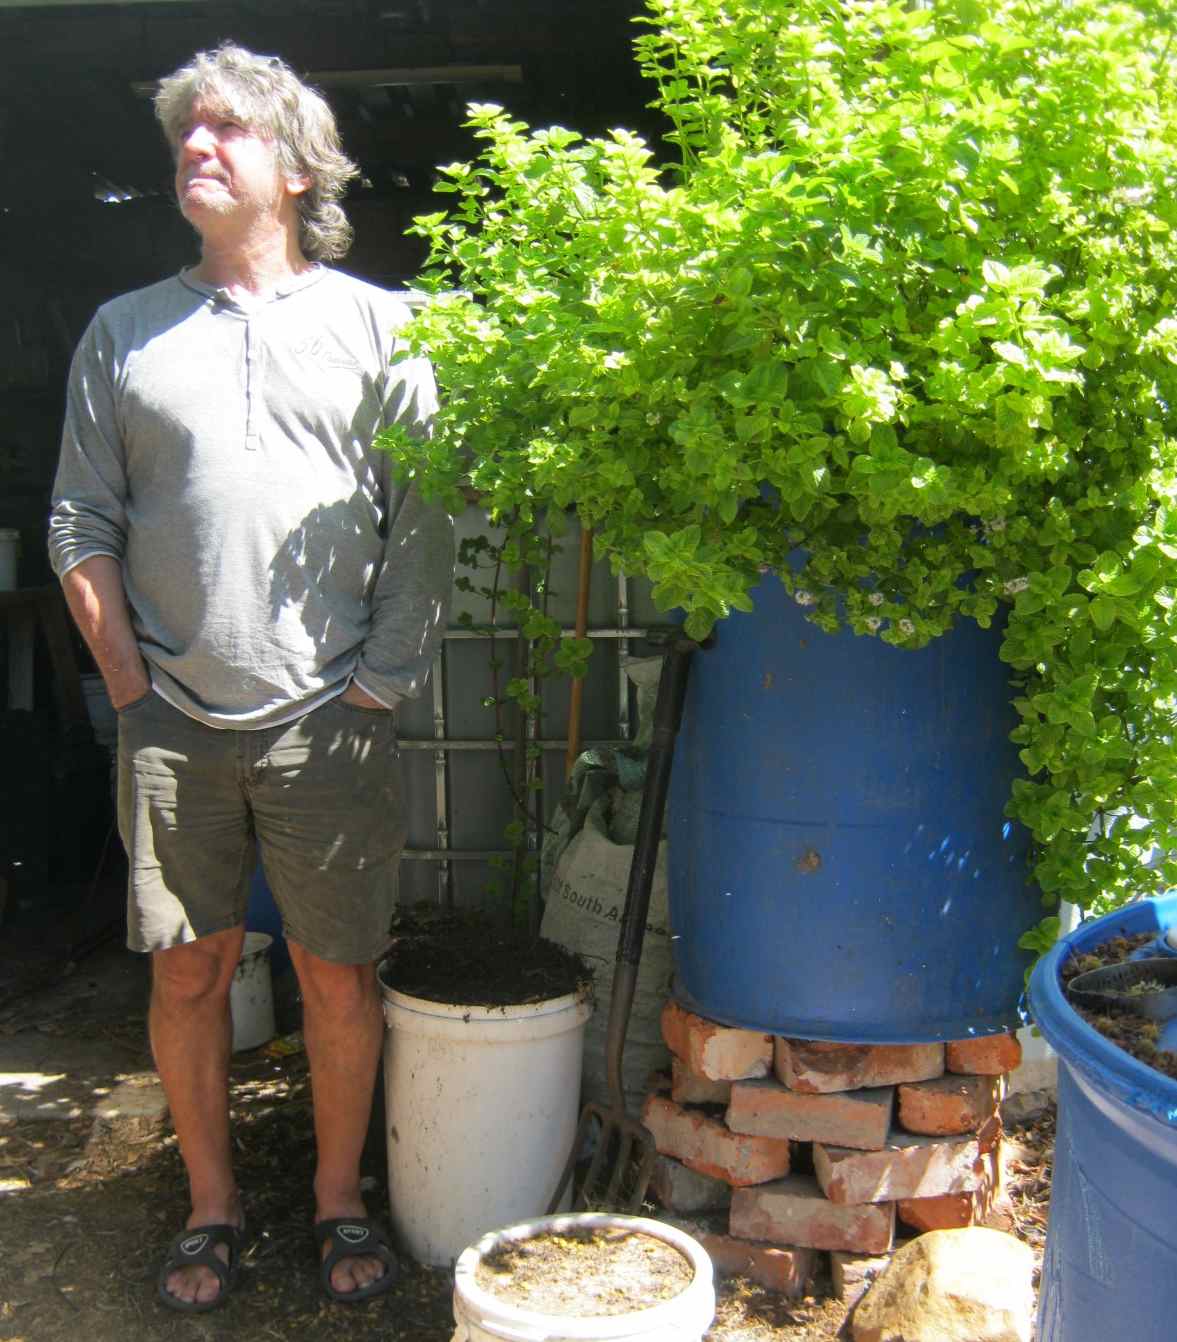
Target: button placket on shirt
x: 254, y: 361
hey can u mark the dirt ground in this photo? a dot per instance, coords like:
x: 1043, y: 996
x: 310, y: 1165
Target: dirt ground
x: 88, y: 1217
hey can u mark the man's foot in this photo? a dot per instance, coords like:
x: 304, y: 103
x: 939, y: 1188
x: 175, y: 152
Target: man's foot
x: 357, y: 1261
x: 201, y: 1267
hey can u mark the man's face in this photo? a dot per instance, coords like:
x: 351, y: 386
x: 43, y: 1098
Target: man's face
x: 226, y: 171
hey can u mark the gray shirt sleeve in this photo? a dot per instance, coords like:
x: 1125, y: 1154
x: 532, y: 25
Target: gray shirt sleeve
x: 88, y: 515
x: 410, y: 603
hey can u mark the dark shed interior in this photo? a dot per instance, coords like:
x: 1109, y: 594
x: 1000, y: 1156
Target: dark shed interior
x: 86, y: 212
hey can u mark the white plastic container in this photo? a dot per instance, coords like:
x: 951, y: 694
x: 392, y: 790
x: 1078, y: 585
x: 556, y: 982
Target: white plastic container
x: 9, y: 553
x: 483, y: 1317
x: 481, y: 1106
x: 251, y: 995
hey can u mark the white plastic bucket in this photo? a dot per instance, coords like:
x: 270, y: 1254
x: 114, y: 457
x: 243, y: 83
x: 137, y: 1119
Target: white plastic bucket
x: 481, y: 1106
x: 9, y: 552
x: 251, y: 996
x: 483, y: 1317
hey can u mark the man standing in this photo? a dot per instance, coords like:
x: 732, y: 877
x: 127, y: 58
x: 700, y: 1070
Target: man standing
x: 259, y: 594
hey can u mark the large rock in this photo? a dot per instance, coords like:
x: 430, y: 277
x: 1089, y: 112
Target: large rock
x: 969, y: 1285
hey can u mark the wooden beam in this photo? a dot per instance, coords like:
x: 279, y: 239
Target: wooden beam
x: 404, y: 75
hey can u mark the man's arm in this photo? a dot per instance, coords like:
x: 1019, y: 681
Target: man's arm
x: 98, y: 602
x: 87, y: 524
x: 410, y: 603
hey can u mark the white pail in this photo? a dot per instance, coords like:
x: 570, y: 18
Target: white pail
x: 9, y: 552
x: 251, y: 998
x: 481, y: 1106
x: 483, y: 1317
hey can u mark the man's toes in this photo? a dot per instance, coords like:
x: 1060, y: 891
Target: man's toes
x: 193, y: 1285
x: 184, y: 1284
x: 351, y: 1274
x: 342, y: 1277
x: 368, y: 1270
x: 208, y: 1287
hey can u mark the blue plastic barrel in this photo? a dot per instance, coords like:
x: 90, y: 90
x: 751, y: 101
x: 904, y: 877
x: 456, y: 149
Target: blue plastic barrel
x: 262, y: 915
x: 841, y: 867
x: 1110, y: 1268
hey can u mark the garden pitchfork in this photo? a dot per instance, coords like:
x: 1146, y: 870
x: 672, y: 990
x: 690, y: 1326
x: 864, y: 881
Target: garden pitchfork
x: 623, y: 1158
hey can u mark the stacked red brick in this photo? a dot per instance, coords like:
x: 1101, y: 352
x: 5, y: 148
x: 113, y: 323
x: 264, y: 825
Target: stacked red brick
x: 907, y: 1132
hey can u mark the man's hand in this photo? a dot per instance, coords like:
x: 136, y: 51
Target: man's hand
x: 98, y: 602
x: 127, y: 690
x: 362, y: 699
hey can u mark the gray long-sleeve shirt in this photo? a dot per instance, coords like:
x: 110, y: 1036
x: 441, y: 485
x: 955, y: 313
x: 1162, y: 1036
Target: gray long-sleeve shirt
x: 223, y: 455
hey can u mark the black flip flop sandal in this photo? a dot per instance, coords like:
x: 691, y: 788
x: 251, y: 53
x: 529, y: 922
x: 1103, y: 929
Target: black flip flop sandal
x: 355, y: 1237
x: 197, y: 1248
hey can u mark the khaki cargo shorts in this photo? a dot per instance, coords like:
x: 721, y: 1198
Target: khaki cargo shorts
x: 318, y: 797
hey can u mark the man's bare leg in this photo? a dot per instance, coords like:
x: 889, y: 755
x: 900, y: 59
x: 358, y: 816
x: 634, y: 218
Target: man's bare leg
x: 191, y: 1038
x: 343, y: 1025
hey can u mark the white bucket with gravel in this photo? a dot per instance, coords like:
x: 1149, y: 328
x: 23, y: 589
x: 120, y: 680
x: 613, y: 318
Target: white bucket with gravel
x: 584, y: 1277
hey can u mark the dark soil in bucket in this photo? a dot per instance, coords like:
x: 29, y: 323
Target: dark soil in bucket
x: 468, y: 961
x: 1135, y: 1034
x: 586, y: 1272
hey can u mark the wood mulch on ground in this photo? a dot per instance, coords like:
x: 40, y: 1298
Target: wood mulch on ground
x: 86, y: 1226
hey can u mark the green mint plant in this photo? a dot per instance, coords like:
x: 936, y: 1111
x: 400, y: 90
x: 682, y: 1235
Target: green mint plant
x: 905, y: 302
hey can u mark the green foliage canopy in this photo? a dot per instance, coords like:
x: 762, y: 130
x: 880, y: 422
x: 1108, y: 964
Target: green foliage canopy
x: 906, y: 302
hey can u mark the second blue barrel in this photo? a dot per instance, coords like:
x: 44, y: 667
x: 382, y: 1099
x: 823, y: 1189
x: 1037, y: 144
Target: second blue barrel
x: 1110, y: 1266
x: 841, y: 867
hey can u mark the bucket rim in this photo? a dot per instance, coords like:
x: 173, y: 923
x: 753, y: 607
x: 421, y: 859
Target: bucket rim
x: 696, y: 1296
x: 1102, y: 1063
x: 255, y: 943
x: 425, y: 1006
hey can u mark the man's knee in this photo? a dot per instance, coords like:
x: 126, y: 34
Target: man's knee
x: 332, y: 988
x: 197, y: 972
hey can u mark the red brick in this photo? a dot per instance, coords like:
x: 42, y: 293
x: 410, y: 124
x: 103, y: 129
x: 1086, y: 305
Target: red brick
x: 716, y: 1052
x: 687, y: 1087
x: 680, y: 1189
x: 952, y: 1211
x: 948, y: 1105
x: 858, y: 1118
x: 782, y: 1268
x: 988, y: 1055
x: 819, y: 1068
x: 705, y: 1144
x: 852, y: 1274
x: 908, y: 1167
x: 794, y: 1211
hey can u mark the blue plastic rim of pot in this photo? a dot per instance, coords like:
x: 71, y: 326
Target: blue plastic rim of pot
x: 841, y: 867
x: 1110, y: 1267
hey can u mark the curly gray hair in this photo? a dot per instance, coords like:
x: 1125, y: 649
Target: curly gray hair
x: 266, y: 95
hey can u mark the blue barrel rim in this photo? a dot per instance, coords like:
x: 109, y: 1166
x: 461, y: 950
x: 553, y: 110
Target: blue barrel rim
x: 1102, y: 1064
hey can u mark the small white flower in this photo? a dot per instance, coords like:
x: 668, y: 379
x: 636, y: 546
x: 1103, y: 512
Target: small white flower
x: 906, y: 627
x: 995, y: 524
x: 1015, y: 585
x: 804, y: 598
x: 875, y: 598
x: 873, y: 623
x: 651, y: 418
